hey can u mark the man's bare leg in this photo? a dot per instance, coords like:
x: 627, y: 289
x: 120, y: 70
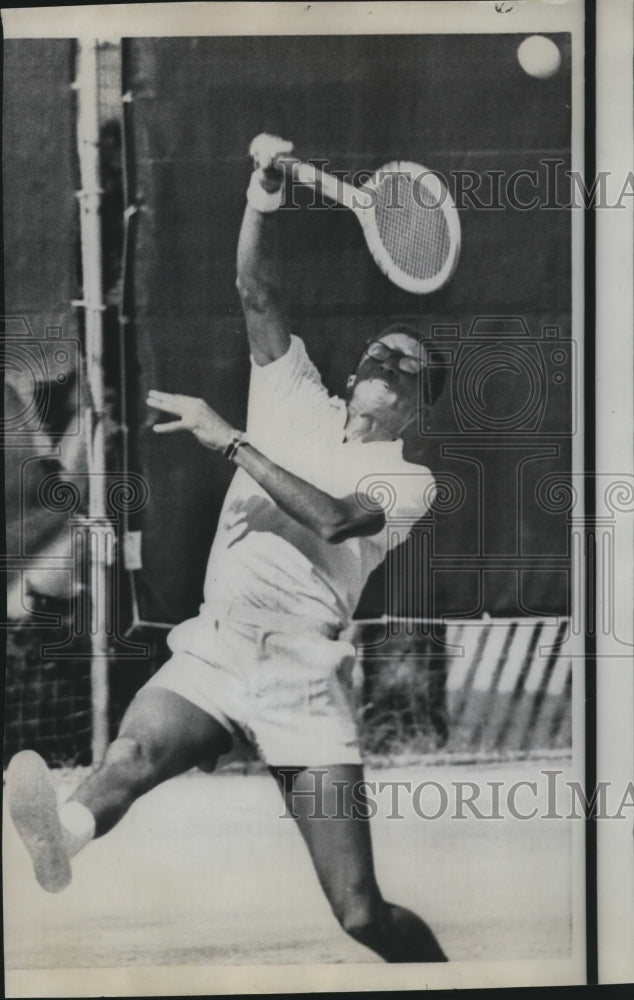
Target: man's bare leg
x: 161, y: 735
x: 341, y: 851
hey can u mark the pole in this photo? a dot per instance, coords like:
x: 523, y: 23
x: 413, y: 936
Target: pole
x: 99, y: 530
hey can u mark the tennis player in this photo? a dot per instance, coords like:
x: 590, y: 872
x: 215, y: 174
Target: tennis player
x: 304, y: 522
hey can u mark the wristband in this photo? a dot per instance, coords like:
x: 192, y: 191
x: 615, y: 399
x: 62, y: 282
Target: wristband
x: 237, y: 439
x: 261, y: 200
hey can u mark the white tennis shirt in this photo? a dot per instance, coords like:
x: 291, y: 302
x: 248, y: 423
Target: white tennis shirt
x: 262, y: 560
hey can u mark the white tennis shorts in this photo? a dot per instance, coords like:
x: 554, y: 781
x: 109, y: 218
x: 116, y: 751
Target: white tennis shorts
x: 289, y: 692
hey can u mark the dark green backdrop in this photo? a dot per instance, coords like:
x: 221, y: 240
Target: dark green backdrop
x: 453, y: 103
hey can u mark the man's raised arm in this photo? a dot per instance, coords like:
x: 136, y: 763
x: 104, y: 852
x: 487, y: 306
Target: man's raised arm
x: 258, y: 275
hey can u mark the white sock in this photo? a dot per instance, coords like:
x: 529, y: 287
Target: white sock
x: 78, y: 826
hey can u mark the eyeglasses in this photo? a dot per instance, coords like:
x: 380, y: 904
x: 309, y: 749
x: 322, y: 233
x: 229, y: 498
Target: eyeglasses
x: 381, y: 352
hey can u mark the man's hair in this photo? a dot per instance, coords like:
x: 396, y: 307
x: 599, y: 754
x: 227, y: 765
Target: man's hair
x: 434, y: 372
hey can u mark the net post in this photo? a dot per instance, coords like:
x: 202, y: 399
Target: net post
x: 89, y: 197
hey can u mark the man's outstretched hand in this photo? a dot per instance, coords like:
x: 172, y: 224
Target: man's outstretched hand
x: 193, y: 415
x: 265, y: 150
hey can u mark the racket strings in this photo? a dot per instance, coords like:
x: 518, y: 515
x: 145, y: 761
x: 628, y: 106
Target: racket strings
x: 412, y: 226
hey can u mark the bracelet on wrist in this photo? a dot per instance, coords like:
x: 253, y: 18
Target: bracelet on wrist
x: 261, y: 200
x: 237, y: 439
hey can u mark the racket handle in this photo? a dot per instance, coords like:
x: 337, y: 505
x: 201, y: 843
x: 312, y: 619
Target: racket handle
x: 332, y: 187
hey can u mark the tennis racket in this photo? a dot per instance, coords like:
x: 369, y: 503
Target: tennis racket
x: 409, y: 220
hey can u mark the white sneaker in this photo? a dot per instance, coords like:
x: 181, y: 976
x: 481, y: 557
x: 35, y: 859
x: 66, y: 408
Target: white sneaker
x: 33, y: 807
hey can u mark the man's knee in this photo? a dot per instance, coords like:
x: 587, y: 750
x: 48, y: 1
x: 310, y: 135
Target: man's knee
x: 132, y: 763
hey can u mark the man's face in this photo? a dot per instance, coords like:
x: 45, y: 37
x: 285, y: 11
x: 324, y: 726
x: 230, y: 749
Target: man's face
x: 381, y: 388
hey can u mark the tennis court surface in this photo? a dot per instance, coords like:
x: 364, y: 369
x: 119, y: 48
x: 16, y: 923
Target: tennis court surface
x: 204, y: 871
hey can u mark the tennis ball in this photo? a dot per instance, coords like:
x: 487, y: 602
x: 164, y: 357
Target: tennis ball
x: 539, y: 56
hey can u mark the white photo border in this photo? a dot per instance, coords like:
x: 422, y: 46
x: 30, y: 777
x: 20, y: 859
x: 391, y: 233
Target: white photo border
x: 428, y: 16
